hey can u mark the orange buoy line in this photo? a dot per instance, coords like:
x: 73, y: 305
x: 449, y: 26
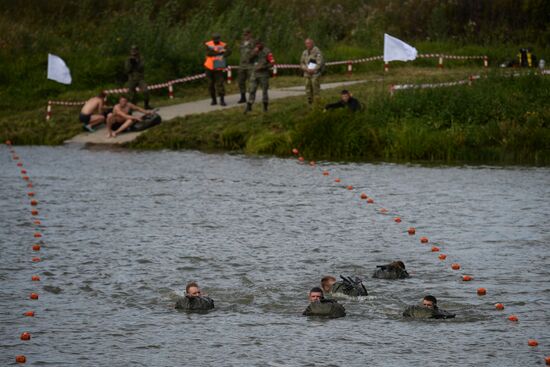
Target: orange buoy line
x: 454, y: 266
x: 36, y: 247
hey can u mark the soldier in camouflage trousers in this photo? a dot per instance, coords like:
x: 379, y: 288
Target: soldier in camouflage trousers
x: 134, y: 67
x: 247, y: 45
x: 312, y: 64
x: 261, y: 59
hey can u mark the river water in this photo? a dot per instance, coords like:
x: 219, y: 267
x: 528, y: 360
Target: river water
x: 124, y: 231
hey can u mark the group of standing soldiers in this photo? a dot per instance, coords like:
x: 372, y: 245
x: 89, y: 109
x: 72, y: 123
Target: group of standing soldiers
x: 256, y: 62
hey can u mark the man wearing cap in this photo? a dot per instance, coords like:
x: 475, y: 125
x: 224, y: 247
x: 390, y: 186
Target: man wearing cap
x: 312, y: 64
x: 247, y: 45
x: 215, y: 63
x: 346, y: 101
x: 134, y: 67
x: 261, y: 60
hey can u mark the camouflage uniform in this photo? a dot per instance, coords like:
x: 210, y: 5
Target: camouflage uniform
x: 313, y: 85
x: 259, y: 75
x: 134, y: 67
x: 244, y: 65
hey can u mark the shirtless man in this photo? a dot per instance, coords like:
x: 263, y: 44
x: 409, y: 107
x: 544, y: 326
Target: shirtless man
x: 121, y: 119
x: 87, y: 115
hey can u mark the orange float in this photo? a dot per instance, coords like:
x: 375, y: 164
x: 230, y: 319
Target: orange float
x: 499, y: 306
x: 37, y: 235
x: 312, y: 163
x: 36, y: 260
x: 23, y: 171
x: 26, y: 336
x: 435, y: 249
x: 442, y: 256
x: 35, y: 278
x: 481, y: 291
x: 34, y: 296
x: 34, y: 212
x: 29, y: 313
x: 34, y: 202
x: 513, y: 318
x: 36, y: 247
x: 547, y: 360
x: 423, y: 239
x: 37, y: 222
x: 532, y: 343
x: 301, y: 159
x: 364, y: 196
x: 29, y: 185
x: 19, y: 164
x: 31, y: 194
x: 383, y: 210
x: 455, y: 266
x: 325, y: 173
x: 15, y: 158
x: 295, y: 151
x: 20, y: 359
x: 8, y: 142
x: 350, y: 187
x: 411, y: 231
x: 397, y: 220
x: 370, y: 201
x: 337, y: 180
x: 26, y: 178
x: 467, y: 278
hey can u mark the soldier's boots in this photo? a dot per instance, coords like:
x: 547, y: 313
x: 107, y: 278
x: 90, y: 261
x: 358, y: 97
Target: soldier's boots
x: 248, y: 108
x: 265, y: 106
x: 243, y: 98
x: 214, y: 100
x: 222, y: 101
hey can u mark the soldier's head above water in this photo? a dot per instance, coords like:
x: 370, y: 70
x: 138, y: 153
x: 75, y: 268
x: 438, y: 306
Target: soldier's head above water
x: 315, y: 294
x: 429, y: 301
x: 192, y: 290
x: 327, y: 282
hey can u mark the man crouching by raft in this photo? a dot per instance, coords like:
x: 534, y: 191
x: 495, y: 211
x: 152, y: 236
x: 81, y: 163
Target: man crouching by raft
x: 92, y: 113
x: 427, y: 310
x: 320, y: 306
x: 194, y: 300
x: 121, y: 118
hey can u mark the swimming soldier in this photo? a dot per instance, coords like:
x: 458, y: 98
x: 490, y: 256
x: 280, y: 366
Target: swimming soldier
x: 394, y: 270
x: 427, y: 309
x: 194, y: 299
x: 346, y: 287
x: 320, y: 306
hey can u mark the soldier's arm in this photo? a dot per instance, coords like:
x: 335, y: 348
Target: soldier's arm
x: 303, y: 63
x: 137, y: 108
x: 127, y: 66
x: 227, y: 52
x: 319, y: 60
x: 212, y: 52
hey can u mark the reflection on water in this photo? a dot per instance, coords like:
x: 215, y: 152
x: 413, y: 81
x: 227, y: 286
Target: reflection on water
x: 124, y: 231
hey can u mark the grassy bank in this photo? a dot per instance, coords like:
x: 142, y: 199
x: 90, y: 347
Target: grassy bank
x: 499, y: 119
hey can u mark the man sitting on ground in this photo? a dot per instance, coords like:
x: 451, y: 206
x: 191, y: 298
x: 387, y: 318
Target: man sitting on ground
x: 121, y: 118
x: 91, y: 113
x: 346, y: 100
x: 194, y: 299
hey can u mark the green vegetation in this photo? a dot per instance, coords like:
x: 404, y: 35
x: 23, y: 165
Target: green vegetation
x: 502, y: 121
x: 499, y: 119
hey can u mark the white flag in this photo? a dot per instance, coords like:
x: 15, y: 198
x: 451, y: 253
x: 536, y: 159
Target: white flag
x: 58, y: 70
x: 395, y: 49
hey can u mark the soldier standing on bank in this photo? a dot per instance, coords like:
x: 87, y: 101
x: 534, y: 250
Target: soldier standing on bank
x: 134, y: 67
x: 247, y: 45
x: 215, y: 63
x: 312, y: 64
x: 261, y: 59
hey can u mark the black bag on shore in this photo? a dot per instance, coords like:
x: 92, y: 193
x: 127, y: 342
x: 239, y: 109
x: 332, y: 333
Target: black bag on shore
x: 147, y: 122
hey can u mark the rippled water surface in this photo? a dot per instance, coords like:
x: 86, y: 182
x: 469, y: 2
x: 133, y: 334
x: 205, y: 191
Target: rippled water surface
x: 124, y: 231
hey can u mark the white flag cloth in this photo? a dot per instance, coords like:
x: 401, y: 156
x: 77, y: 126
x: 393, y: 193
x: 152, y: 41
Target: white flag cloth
x: 395, y: 49
x: 58, y: 70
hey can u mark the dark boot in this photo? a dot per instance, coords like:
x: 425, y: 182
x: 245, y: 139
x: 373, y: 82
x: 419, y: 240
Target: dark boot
x: 148, y: 106
x: 265, y: 106
x: 222, y: 101
x: 214, y: 100
x: 243, y: 98
x: 248, y: 108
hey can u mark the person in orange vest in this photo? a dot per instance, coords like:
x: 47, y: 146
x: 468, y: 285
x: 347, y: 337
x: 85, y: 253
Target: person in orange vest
x: 215, y: 63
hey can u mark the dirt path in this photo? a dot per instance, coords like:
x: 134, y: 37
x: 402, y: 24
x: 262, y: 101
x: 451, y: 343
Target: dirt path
x: 202, y: 106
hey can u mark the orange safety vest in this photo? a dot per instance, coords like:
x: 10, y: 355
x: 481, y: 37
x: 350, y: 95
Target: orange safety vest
x: 215, y: 62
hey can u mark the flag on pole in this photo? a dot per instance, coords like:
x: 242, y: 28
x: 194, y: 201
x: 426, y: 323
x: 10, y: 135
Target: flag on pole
x: 58, y: 70
x: 395, y: 49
